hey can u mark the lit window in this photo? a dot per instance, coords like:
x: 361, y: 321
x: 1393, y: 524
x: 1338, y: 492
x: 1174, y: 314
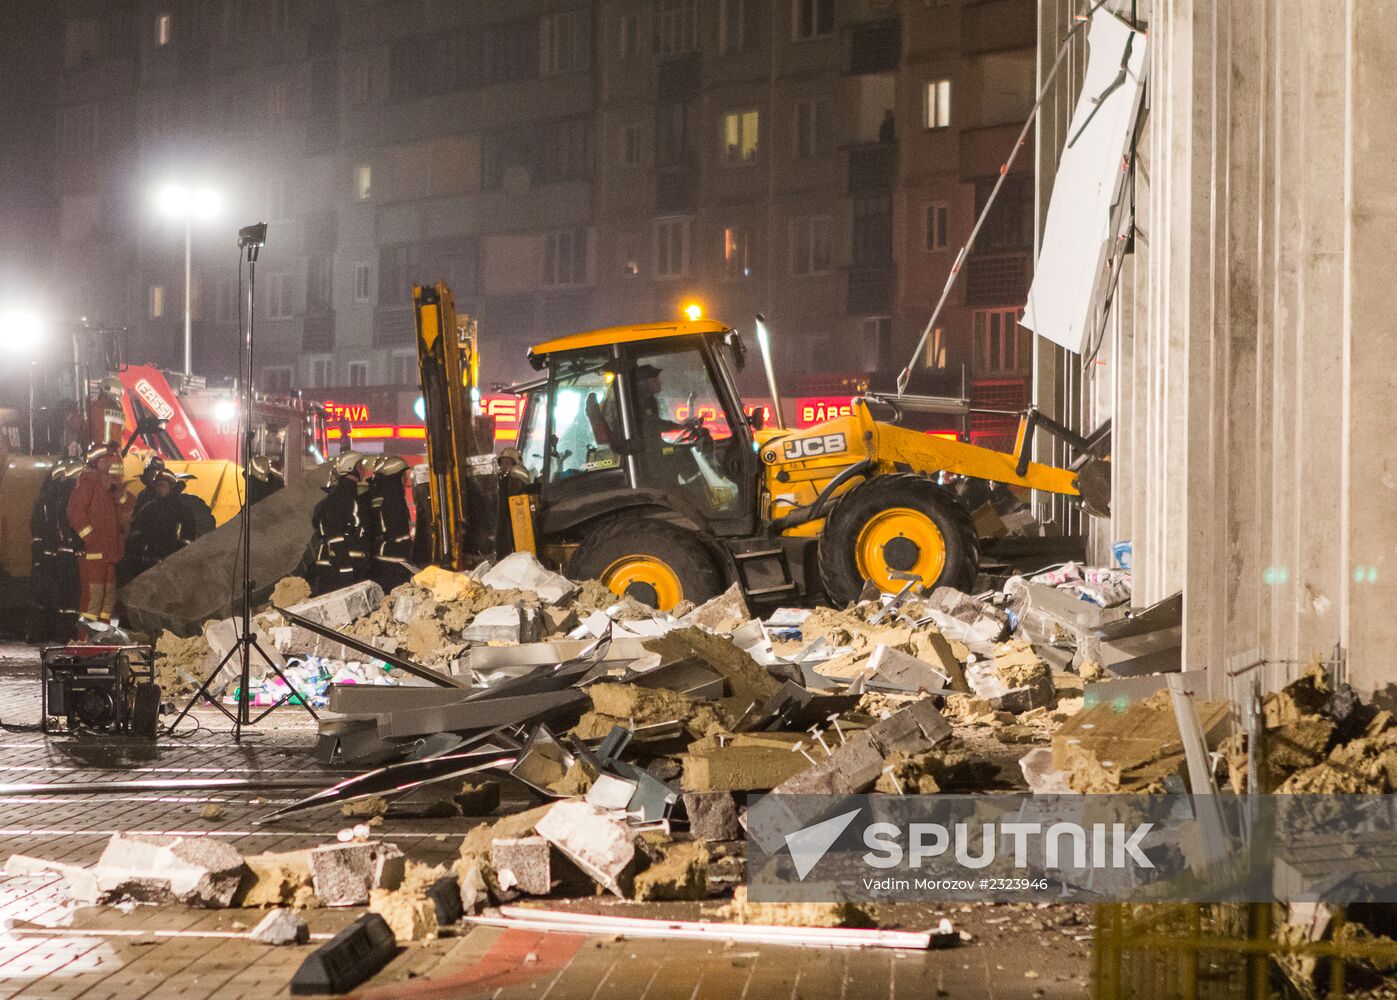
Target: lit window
x: 938, y: 104
x: 358, y: 372
x: 164, y: 30
x: 737, y: 253
x: 740, y: 137
x: 363, y: 283
x: 363, y: 182
x: 671, y: 248
x: 936, y: 349
x: 811, y: 19
x: 157, y: 301
x: 937, y: 223
x: 810, y: 241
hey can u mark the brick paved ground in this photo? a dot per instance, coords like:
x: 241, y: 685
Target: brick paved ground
x: 49, y: 949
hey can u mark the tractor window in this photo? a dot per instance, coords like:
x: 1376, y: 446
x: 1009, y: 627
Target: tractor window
x: 685, y: 440
x: 584, y: 415
x: 531, y: 435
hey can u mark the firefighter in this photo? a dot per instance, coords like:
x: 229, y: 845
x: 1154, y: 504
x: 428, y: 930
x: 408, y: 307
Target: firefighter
x: 341, y: 523
x: 515, y: 480
x: 94, y: 513
x: 107, y: 415
x: 204, y: 521
x: 160, y: 527
x: 392, y: 524
x: 153, y: 467
x: 53, y: 569
x: 265, y: 479
x: 422, y: 513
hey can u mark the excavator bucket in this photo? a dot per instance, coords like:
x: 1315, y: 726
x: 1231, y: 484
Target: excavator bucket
x: 203, y: 580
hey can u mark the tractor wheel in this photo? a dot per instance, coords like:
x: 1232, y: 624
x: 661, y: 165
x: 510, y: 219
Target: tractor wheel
x: 657, y: 564
x: 896, y: 523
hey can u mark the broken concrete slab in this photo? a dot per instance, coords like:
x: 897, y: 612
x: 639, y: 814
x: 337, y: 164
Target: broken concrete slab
x: 281, y: 927
x: 339, y: 608
x: 475, y: 847
x: 81, y: 882
x: 712, y: 815
x: 197, y: 871
x: 974, y: 620
x: 521, y: 571
x: 677, y: 870
x: 592, y: 839
x: 523, y: 863
x: 747, y: 680
x: 344, y: 874
x: 889, y: 666
x: 504, y: 623
x: 854, y: 766
x: 740, y: 768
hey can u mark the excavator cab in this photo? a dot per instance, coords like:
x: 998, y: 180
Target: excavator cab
x: 636, y: 416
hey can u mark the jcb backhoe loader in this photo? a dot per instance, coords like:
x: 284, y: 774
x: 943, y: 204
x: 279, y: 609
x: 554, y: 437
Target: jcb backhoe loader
x: 651, y: 477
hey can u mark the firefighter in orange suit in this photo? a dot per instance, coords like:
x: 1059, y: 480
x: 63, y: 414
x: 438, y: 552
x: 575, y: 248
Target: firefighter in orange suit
x: 95, y: 514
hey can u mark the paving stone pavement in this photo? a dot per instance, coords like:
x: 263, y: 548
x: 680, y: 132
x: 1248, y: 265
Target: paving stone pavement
x: 50, y: 949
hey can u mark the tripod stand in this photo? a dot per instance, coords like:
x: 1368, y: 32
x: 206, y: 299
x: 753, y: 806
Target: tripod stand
x: 251, y: 239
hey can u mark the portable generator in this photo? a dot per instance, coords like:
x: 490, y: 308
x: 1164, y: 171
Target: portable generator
x: 103, y: 688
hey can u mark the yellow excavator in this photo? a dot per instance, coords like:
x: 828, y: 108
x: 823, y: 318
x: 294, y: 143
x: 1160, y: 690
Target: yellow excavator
x: 650, y: 475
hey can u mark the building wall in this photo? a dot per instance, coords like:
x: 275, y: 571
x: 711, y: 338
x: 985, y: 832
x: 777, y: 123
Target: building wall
x: 527, y: 152
x: 1250, y: 373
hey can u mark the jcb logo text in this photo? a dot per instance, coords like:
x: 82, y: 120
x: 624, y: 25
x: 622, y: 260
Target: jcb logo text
x: 828, y: 444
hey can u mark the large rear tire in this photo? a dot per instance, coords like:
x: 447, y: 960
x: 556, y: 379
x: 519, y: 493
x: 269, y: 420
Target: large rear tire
x: 656, y: 563
x: 901, y: 523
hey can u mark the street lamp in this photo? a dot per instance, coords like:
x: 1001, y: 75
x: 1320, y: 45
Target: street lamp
x: 21, y: 331
x: 187, y: 204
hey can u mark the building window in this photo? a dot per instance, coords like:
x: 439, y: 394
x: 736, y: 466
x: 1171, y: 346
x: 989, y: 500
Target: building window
x: 319, y: 284
x: 739, y: 25
x: 394, y: 274
x: 810, y: 245
x: 562, y: 43
x: 628, y: 39
x: 358, y: 373
x: 937, y: 110
x: 672, y: 146
x: 872, y: 230
x: 998, y: 342
x: 877, y: 343
x: 811, y: 19
x: 936, y: 349
x: 632, y: 152
x: 363, y: 182
x: 671, y: 248
x: 740, y: 138
x: 405, y: 369
x: 811, y: 129
x: 363, y: 282
x: 737, y: 253
x: 279, y: 305
x: 276, y: 380
x: 321, y: 372
x: 157, y: 301
x: 938, y: 218
x: 676, y: 27
x: 164, y: 30
x: 565, y: 258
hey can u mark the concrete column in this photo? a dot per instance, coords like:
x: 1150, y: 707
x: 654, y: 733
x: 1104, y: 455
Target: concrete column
x: 1369, y: 400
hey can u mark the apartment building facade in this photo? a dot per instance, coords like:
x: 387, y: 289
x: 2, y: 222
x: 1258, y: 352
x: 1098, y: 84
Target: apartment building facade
x: 562, y: 164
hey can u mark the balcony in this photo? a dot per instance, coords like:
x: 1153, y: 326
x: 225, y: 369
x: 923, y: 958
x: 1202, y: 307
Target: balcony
x: 875, y: 47
x: 997, y: 26
x: 678, y: 79
x: 393, y: 326
x: 984, y: 150
x: 675, y: 191
x: 872, y: 167
x: 996, y: 279
x: 870, y: 290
